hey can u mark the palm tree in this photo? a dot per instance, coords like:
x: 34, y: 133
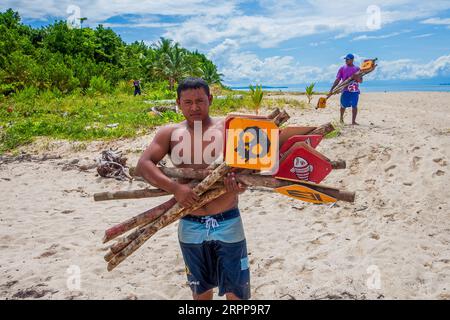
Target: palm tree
x: 172, y: 66
x: 210, y: 73
x: 82, y: 20
x: 164, y: 46
x: 256, y: 95
x: 309, y: 91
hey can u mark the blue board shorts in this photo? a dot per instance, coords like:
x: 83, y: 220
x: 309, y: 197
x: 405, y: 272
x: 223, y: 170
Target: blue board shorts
x: 349, y: 99
x: 215, y: 253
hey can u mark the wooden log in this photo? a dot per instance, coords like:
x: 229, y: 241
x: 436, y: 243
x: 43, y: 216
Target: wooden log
x: 141, y: 219
x: 254, y: 180
x: 323, y: 129
x: 199, y: 174
x: 116, y: 257
x: 271, y: 115
x: 132, y: 194
x: 136, y: 194
x: 338, y: 164
x: 281, y: 118
x: 175, y: 213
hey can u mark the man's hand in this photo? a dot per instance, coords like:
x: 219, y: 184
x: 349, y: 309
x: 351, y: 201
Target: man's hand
x: 185, y: 195
x: 357, y: 78
x: 232, y: 185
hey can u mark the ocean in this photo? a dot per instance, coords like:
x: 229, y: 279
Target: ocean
x: 375, y: 86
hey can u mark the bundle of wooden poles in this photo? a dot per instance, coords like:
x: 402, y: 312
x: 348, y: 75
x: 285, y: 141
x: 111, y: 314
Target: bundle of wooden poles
x: 208, y: 184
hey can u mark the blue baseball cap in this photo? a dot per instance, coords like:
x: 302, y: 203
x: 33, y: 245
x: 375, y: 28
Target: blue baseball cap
x: 349, y: 57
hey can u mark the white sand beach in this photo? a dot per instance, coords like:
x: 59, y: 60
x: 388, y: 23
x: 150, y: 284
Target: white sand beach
x: 392, y: 243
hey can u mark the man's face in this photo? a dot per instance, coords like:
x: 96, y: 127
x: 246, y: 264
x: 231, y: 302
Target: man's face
x: 349, y: 62
x: 194, y: 103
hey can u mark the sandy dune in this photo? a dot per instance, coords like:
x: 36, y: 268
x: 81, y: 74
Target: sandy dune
x: 392, y: 243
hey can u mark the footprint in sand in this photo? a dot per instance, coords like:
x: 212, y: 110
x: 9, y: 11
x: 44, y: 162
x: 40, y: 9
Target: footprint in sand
x: 48, y: 252
x: 270, y: 262
x: 438, y: 173
x: 415, y: 162
x: 441, y: 162
x: 390, y: 168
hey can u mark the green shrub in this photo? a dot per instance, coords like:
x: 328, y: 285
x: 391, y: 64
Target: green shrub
x: 99, y: 85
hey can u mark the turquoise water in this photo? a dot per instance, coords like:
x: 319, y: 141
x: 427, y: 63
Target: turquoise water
x: 365, y: 87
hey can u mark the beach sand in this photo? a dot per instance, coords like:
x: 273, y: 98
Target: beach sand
x: 392, y: 243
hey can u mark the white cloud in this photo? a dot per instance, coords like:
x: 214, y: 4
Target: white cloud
x: 437, y: 21
x: 246, y: 68
x: 425, y: 35
x: 227, y: 28
x: 383, y: 36
x: 408, y: 69
x: 279, y: 22
x: 100, y: 10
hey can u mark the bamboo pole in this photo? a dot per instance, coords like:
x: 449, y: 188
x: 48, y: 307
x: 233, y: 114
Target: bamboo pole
x: 173, y: 214
x: 141, y: 219
x: 132, y: 194
x: 251, y: 180
x: 135, y: 194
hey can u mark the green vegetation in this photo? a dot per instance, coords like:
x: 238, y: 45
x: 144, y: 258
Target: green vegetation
x: 67, y: 59
x: 338, y: 126
x: 73, y: 83
x: 309, y: 91
x: 76, y: 84
x: 74, y: 117
x: 256, y: 94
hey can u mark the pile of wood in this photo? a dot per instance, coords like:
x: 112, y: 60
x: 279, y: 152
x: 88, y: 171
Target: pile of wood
x: 208, y: 184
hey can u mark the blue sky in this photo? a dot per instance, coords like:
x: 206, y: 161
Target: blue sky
x: 277, y: 42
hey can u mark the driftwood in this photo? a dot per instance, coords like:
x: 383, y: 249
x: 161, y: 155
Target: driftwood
x: 173, y: 214
x: 113, y: 165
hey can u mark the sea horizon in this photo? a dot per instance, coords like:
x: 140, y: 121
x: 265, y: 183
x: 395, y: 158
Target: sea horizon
x: 375, y: 86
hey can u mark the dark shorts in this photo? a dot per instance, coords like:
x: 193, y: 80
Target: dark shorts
x: 212, y: 256
x: 349, y: 99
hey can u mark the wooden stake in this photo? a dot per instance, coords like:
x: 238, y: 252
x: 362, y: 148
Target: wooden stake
x: 141, y: 219
x: 175, y: 213
x: 146, y: 232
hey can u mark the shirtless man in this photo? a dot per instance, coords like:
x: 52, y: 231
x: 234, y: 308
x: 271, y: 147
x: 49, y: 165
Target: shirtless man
x: 212, y: 238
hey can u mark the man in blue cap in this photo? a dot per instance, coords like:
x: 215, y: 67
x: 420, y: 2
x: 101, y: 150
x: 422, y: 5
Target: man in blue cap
x: 350, y: 94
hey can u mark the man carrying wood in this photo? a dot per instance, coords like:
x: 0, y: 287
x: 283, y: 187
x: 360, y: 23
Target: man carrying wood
x: 212, y: 238
x: 350, y: 94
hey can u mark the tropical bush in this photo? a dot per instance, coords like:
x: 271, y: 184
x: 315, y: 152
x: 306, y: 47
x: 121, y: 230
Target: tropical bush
x: 56, y: 56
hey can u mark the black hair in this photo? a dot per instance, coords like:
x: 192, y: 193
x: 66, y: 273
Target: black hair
x: 192, y: 83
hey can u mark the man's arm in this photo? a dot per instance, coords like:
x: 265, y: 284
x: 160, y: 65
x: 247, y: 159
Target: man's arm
x: 147, y: 168
x: 336, y: 82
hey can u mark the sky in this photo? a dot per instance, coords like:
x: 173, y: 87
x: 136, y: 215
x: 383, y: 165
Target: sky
x: 276, y: 42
